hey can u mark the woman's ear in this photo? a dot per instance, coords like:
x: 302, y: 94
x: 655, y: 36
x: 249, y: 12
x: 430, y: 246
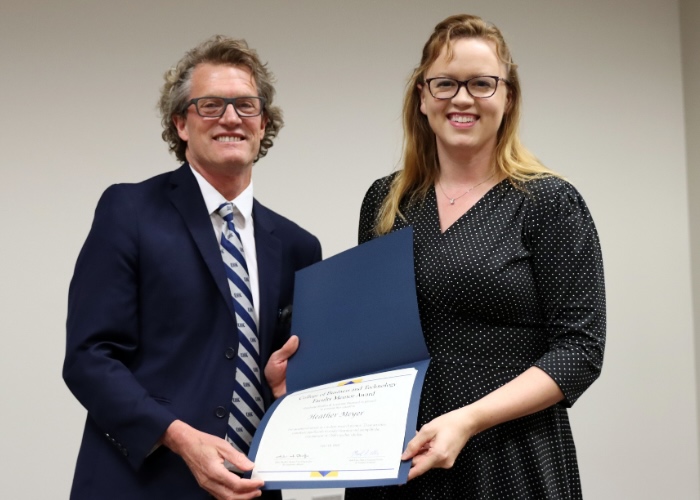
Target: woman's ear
x: 509, y: 100
x: 419, y: 86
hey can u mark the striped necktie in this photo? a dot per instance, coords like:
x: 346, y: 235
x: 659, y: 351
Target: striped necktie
x: 246, y: 408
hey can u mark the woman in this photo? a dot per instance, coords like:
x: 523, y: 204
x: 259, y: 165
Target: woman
x: 509, y: 279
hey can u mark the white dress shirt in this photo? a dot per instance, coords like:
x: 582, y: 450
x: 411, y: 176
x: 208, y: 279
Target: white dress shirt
x: 242, y: 219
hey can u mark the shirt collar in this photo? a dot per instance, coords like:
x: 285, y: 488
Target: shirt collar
x: 213, y: 199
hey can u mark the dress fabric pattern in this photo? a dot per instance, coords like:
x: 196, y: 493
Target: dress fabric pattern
x: 516, y: 282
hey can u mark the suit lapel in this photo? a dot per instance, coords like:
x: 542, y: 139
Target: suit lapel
x: 269, y: 251
x: 187, y: 199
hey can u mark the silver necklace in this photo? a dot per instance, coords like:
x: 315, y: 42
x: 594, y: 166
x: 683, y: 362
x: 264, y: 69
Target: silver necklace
x: 452, y: 200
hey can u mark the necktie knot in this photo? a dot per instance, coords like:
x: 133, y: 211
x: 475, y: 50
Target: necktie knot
x: 225, y: 210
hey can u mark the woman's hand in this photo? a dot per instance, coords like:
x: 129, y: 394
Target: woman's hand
x: 438, y: 442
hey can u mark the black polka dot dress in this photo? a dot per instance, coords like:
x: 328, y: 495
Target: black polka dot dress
x: 516, y: 282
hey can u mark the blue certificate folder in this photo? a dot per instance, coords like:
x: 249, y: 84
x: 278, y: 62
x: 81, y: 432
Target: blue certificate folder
x: 356, y: 314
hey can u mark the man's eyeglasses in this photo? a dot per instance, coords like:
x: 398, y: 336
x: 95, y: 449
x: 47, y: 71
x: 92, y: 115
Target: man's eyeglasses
x: 479, y: 86
x: 215, y: 107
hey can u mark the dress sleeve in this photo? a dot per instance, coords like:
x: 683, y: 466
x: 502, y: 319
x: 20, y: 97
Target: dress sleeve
x: 370, y: 208
x: 568, y: 269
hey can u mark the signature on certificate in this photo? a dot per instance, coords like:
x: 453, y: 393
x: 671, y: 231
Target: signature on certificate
x: 291, y: 455
x: 366, y: 452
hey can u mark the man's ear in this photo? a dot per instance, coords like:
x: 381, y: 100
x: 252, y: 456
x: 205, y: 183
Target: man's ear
x: 180, y: 123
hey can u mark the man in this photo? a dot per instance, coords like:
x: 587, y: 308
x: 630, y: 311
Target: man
x: 182, y: 279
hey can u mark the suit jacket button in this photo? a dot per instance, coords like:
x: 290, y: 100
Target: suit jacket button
x: 230, y: 353
x: 124, y: 452
x: 220, y: 412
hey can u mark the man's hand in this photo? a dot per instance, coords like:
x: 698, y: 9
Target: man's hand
x: 204, y: 454
x: 276, y: 369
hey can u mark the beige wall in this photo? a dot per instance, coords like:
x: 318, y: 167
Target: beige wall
x: 603, y: 105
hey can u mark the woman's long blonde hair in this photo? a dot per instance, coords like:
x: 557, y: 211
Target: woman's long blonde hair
x: 420, y: 160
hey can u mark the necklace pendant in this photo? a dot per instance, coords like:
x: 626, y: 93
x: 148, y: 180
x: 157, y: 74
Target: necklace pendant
x: 452, y: 201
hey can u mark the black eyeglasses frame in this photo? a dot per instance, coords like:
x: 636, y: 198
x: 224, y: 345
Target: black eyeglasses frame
x: 227, y: 101
x: 465, y: 84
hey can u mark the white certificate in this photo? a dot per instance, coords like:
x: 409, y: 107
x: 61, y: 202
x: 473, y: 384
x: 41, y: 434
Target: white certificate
x: 347, y: 430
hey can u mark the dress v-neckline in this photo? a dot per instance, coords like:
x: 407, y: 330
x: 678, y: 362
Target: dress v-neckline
x: 436, y: 219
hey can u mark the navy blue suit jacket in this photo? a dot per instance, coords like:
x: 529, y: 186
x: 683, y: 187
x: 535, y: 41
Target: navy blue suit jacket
x: 151, y: 331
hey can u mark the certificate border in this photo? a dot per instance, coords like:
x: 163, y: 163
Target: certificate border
x: 331, y: 482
